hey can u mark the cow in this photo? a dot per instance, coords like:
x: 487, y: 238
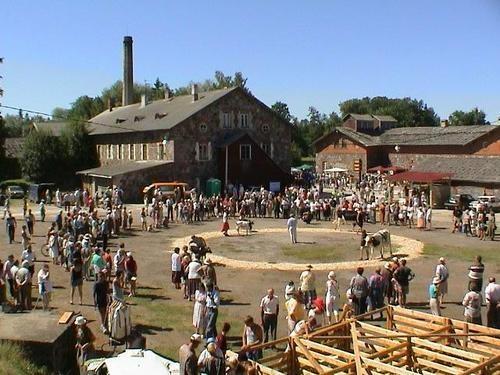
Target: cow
x: 380, y: 240
x: 244, y: 224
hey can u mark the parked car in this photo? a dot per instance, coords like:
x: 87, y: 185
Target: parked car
x: 16, y: 191
x: 459, y: 200
x: 487, y: 202
x: 167, y: 189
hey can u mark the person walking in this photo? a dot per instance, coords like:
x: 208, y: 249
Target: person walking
x: 44, y: 286
x: 476, y: 271
x: 76, y: 276
x: 291, y: 225
x: 308, y: 286
x: 442, y: 274
x: 10, y: 226
x: 200, y: 309
x: 269, y: 310
x: 188, y: 360
x: 101, y: 298
x: 492, y: 294
x: 332, y: 298
x: 359, y: 291
x: 433, y: 296
x: 225, y: 223
x: 376, y: 289
x: 472, y: 302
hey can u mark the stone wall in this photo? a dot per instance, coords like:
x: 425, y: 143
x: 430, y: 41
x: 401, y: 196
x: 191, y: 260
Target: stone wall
x: 338, y: 151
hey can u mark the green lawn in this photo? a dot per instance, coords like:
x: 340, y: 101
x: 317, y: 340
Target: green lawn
x: 491, y: 255
x: 14, y: 361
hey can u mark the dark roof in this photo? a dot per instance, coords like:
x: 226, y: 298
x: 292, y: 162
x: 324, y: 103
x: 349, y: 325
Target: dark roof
x: 13, y: 147
x: 357, y: 116
x: 116, y: 169
x: 53, y: 127
x: 418, y: 136
x: 385, y: 118
x: 158, y: 115
x: 434, y: 135
x: 464, y: 167
x: 420, y: 176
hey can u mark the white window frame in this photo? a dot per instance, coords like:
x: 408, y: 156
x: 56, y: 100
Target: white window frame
x: 99, y: 149
x: 144, y: 157
x: 131, y: 151
x: 203, y: 156
x: 244, y: 120
x: 266, y: 147
x: 249, y: 151
x: 119, y: 152
x: 160, y: 151
x: 109, y: 152
x: 226, y: 120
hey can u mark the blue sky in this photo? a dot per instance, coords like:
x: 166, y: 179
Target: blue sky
x: 301, y: 52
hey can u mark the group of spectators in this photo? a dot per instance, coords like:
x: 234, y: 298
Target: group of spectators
x: 480, y: 223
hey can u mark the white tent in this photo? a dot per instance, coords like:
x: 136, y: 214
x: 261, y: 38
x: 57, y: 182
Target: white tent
x: 138, y: 361
x: 334, y: 170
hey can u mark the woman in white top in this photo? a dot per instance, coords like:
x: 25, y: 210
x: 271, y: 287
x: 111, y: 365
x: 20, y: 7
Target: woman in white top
x: 44, y: 285
x: 332, y: 297
x: 200, y: 310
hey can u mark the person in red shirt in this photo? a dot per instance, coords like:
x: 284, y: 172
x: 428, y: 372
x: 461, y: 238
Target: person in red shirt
x: 131, y: 273
x: 106, y: 255
x: 221, y: 340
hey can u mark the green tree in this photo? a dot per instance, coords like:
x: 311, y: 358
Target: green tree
x: 282, y: 109
x: 43, y: 157
x: 79, y: 150
x: 60, y: 113
x: 85, y: 107
x: 473, y: 117
x: 407, y: 111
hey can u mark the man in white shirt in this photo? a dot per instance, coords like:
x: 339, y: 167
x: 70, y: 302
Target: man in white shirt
x: 492, y: 293
x: 291, y: 225
x: 269, y: 306
x: 28, y: 256
x: 176, y: 268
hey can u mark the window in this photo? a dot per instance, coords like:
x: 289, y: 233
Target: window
x: 265, y: 128
x: 110, y: 151
x: 226, y: 120
x: 343, y: 143
x: 266, y: 147
x: 161, y: 151
x: 243, y: 118
x: 119, y: 152
x: 99, y: 151
x: 203, y: 128
x: 203, y: 152
x: 144, y: 152
x: 131, y: 152
x: 245, y: 152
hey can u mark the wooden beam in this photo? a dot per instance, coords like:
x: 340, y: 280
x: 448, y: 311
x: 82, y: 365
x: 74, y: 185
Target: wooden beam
x: 446, y: 369
x: 482, y: 365
x: 357, y: 355
x: 387, y: 368
x: 308, y: 355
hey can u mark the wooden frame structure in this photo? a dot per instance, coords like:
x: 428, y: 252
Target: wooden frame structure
x: 403, y: 342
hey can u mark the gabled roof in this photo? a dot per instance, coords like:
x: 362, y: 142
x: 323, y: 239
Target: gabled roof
x: 116, y: 169
x: 53, y: 127
x: 485, y: 169
x: 385, y: 118
x: 420, y: 176
x: 358, y: 116
x: 158, y: 115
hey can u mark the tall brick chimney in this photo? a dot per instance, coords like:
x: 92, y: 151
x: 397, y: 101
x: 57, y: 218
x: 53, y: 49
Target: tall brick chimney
x: 128, y: 72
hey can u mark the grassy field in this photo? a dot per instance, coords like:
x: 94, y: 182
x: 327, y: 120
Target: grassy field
x: 14, y: 361
x: 319, y: 253
x: 491, y: 256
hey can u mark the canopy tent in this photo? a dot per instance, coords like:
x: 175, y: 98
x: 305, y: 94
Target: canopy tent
x: 335, y: 170
x: 421, y: 177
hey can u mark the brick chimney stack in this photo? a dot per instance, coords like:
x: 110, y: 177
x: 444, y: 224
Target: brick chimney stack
x: 128, y: 72
x: 194, y: 91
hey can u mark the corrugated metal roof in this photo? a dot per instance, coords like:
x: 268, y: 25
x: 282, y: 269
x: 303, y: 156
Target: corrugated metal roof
x: 157, y: 115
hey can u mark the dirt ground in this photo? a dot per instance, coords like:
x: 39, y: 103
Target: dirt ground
x: 165, y: 317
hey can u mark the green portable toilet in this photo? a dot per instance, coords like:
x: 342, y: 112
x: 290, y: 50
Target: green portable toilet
x: 213, y: 187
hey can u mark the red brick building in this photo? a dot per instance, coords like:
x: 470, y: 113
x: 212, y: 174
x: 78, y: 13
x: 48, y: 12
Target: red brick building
x: 417, y: 148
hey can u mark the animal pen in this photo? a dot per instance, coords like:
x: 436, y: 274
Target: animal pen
x: 403, y: 342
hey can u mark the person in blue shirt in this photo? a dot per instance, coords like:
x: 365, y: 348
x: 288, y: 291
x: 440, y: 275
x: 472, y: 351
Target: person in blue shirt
x: 433, y: 296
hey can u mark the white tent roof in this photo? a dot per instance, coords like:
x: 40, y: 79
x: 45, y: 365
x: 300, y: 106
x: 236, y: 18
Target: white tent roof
x: 137, y: 361
x: 335, y: 169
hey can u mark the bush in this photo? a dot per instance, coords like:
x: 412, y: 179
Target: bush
x: 14, y: 361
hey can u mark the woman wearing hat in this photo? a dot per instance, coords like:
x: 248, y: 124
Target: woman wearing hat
x: 433, y: 296
x: 332, y: 297
x: 84, y: 341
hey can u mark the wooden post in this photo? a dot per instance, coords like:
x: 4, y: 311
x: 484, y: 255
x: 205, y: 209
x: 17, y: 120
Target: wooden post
x: 466, y: 338
x: 409, y: 353
x: 390, y: 313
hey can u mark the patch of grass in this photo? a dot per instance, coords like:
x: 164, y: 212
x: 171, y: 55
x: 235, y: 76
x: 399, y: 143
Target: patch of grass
x: 14, y: 361
x: 319, y: 253
x: 467, y: 254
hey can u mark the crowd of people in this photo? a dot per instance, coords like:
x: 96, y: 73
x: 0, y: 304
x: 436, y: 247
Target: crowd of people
x: 480, y: 222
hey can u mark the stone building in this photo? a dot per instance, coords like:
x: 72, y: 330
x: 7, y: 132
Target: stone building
x: 226, y: 134
x: 444, y: 149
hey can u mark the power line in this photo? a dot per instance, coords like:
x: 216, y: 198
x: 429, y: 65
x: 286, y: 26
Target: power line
x: 65, y: 118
